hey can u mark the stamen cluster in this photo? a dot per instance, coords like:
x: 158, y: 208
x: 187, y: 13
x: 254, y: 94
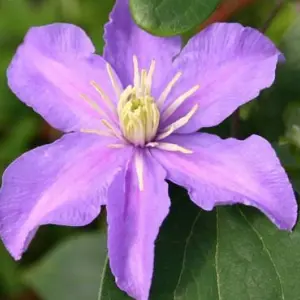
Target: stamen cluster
x: 138, y: 113
x: 138, y: 117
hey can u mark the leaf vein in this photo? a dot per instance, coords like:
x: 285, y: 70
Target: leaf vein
x: 185, y: 253
x: 102, y: 278
x: 216, y: 256
x: 267, y: 252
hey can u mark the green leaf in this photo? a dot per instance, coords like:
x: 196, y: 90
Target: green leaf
x: 231, y: 253
x: 284, y: 19
x: 290, y: 44
x: 289, y: 155
x: 171, y: 17
x: 71, y: 271
x: 10, y: 283
x: 292, y: 122
x: 108, y: 289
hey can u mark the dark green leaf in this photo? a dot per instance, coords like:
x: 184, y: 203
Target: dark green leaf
x: 232, y: 253
x: 289, y: 155
x: 171, y: 17
x: 108, y: 289
x: 292, y: 122
x: 10, y: 282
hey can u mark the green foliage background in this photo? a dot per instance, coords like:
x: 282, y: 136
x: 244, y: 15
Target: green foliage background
x: 228, y: 254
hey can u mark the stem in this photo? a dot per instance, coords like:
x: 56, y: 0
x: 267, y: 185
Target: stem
x: 272, y: 15
x: 225, y: 10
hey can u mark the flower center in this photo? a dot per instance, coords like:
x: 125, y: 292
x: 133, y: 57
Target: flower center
x: 138, y: 113
x: 137, y: 117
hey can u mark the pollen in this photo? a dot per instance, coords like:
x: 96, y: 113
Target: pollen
x: 138, y: 113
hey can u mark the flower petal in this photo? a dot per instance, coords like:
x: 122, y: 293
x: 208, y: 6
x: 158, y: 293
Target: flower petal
x: 51, y: 71
x: 134, y: 218
x: 125, y: 39
x: 231, y: 64
x: 231, y: 171
x: 62, y: 183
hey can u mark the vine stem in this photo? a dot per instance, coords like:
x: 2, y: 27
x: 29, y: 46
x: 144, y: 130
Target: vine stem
x: 272, y: 15
x: 225, y: 10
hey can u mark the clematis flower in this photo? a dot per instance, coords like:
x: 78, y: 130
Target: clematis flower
x: 130, y: 120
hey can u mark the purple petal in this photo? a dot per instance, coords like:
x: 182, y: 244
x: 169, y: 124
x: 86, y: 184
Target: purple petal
x: 62, y: 183
x: 231, y: 64
x: 52, y: 69
x: 230, y: 171
x: 134, y: 218
x: 125, y: 39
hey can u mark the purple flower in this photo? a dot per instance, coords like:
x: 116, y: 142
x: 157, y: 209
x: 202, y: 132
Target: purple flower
x: 130, y: 119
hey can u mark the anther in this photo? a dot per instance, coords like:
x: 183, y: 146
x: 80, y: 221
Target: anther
x: 99, y: 132
x: 161, y: 100
x: 112, y: 129
x: 113, y: 80
x: 174, y: 105
x: 116, y: 146
x: 93, y: 105
x: 149, y: 77
x: 169, y: 147
x: 136, y: 73
x: 104, y: 96
x: 139, y: 167
x: 178, y: 124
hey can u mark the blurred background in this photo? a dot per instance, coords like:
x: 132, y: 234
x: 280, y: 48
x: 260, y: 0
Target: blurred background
x: 60, y: 263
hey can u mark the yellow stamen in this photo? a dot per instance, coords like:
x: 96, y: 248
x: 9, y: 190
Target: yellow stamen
x: 138, y: 113
x: 113, y: 80
x: 93, y: 105
x: 139, y: 167
x: 170, y: 147
x: 139, y: 119
x: 149, y: 77
x: 124, y: 98
x: 178, y: 124
x: 99, y: 132
x: 103, y: 95
x: 161, y: 100
x: 116, y: 146
x: 112, y: 129
x: 142, y: 92
x: 136, y: 73
x: 174, y: 105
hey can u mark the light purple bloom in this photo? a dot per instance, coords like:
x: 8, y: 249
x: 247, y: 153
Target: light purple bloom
x: 130, y: 119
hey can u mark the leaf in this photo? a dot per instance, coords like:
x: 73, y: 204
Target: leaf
x: 171, y: 17
x: 108, y: 289
x: 284, y: 19
x: 72, y: 270
x: 231, y: 253
x: 289, y: 155
x: 10, y: 282
x: 290, y: 44
x: 18, y: 139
